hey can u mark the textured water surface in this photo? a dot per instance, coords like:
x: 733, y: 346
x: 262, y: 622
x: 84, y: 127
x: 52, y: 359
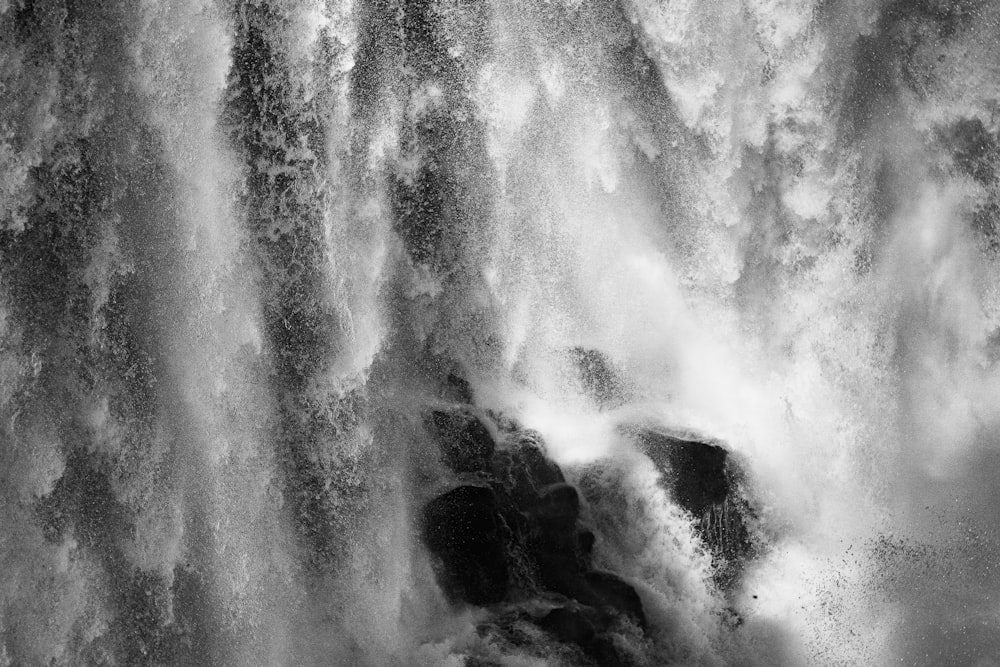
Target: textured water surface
x: 522, y: 333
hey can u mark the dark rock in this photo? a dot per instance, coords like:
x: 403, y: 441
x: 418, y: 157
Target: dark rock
x: 569, y: 625
x: 559, y: 506
x: 704, y: 480
x: 562, y: 571
x: 585, y: 540
x: 521, y: 471
x: 607, y: 653
x: 610, y: 590
x: 554, y: 543
x: 518, y: 536
x: 530, y: 454
x: 589, y: 629
x: 695, y: 471
x: 463, y: 530
x: 724, y: 530
x: 465, y: 442
x: 541, y: 512
x: 521, y: 535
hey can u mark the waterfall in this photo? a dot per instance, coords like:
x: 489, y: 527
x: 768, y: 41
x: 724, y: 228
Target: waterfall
x: 440, y: 332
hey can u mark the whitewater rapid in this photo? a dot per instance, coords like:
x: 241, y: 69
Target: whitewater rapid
x: 244, y: 245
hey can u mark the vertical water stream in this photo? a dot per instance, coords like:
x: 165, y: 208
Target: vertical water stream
x: 251, y: 252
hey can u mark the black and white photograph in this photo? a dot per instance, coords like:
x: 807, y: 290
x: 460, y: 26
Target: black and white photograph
x: 499, y: 333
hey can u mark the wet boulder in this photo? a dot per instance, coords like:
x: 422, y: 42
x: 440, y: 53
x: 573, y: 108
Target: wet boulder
x: 573, y: 625
x: 520, y: 470
x: 585, y: 540
x: 609, y: 590
x: 518, y: 533
x: 697, y: 472
x: 600, y: 590
x: 609, y: 653
x: 462, y: 529
x: 558, y: 507
x: 555, y: 540
x: 704, y: 479
x: 588, y: 628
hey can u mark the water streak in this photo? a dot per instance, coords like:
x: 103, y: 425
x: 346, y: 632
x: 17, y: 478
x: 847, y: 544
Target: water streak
x: 244, y: 245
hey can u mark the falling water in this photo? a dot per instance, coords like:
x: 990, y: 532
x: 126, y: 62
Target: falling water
x: 246, y: 246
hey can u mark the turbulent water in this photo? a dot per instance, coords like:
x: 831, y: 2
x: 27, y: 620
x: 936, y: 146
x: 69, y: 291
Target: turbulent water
x: 244, y: 247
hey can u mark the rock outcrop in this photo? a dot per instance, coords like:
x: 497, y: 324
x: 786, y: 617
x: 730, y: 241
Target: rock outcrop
x: 515, y: 535
x: 463, y: 529
x: 511, y: 534
x: 704, y: 479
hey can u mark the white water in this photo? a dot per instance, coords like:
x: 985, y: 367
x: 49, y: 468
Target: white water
x: 758, y: 211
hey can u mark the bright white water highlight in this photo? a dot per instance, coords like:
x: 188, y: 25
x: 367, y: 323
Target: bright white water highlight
x: 242, y: 245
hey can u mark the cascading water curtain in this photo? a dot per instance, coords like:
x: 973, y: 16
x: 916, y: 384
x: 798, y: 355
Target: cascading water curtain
x: 499, y: 333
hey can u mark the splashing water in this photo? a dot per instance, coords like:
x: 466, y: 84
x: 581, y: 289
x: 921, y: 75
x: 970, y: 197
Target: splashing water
x: 243, y: 244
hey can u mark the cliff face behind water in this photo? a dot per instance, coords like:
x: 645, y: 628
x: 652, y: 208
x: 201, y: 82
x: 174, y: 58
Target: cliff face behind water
x: 452, y: 332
